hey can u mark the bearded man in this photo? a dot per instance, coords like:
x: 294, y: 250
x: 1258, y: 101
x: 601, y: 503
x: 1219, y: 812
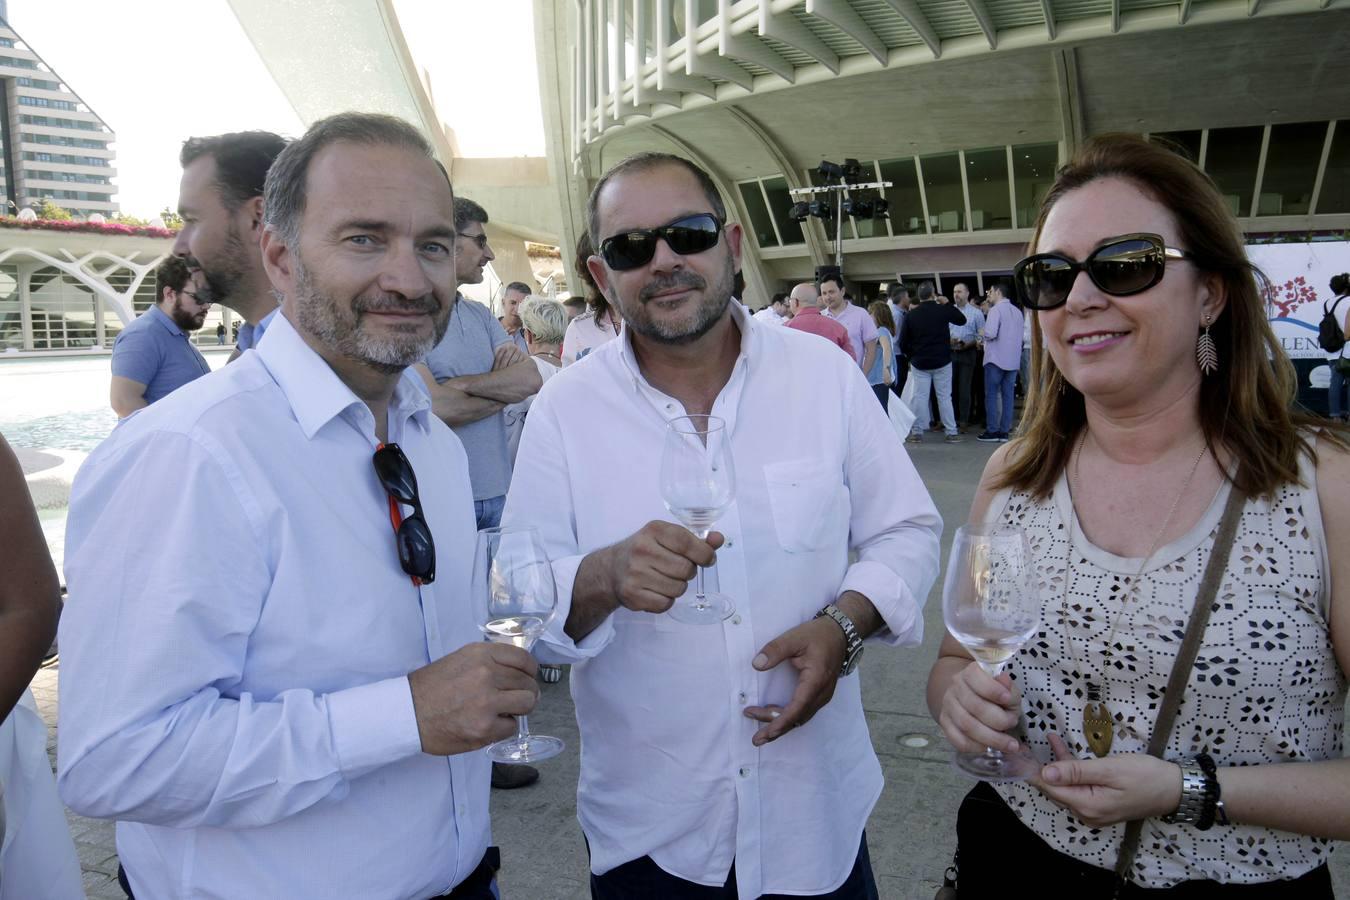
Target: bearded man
x: 732, y: 755
x: 154, y: 356
x: 270, y: 677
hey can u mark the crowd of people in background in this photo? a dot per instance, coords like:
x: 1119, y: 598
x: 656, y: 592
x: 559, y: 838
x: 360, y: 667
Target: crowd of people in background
x: 303, y: 715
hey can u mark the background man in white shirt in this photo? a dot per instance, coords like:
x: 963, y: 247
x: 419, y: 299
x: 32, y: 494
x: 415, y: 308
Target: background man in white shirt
x: 776, y: 313
x: 732, y: 755
x: 300, y: 714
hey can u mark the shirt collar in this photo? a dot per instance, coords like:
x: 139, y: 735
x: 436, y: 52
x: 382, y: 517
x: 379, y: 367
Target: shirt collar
x: 739, y: 314
x: 809, y: 311
x: 315, y: 392
x: 166, y: 321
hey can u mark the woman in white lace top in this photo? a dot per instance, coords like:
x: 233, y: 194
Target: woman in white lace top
x: 1161, y: 390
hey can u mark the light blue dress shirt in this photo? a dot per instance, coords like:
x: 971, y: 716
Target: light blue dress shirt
x: 251, y: 335
x: 238, y: 635
x: 968, y: 332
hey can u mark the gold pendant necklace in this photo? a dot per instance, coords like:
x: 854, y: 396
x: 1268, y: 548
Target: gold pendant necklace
x: 1098, y: 720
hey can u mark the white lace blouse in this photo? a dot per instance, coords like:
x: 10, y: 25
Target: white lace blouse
x: 1266, y: 687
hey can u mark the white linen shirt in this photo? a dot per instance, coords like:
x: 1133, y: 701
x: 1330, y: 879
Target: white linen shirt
x: 235, y: 648
x: 668, y: 768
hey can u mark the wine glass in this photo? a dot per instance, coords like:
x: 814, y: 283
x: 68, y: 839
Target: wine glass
x: 698, y: 483
x: 514, y: 601
x: 990, y: 604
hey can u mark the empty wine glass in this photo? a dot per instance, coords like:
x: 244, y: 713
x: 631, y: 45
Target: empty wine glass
x: 990, y: 604
x: 698, y: 483
x: 514, y: 601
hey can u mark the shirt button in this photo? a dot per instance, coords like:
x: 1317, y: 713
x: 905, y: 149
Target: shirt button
x: 730, y: 543
x: 735, y: 620
x: 745, y: 772
x: 741, y: 696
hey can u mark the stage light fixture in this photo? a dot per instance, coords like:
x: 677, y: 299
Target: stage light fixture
x: 881, y: 208
x: 853, y: 171
x: 829, y: 171
x: 800, y: 212
x: 822, y: 209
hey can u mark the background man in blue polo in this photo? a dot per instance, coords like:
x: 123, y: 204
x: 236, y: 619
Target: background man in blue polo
x: 153, y: 356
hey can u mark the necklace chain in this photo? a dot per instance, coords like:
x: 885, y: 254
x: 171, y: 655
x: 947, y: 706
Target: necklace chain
x: 1098, y: 726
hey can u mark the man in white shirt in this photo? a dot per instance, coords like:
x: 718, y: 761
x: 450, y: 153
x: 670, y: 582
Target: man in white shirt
x: 734, y: 755
x: 270, y: 676
x: 776, y: 313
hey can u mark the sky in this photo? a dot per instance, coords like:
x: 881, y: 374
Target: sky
x: 159, y: 71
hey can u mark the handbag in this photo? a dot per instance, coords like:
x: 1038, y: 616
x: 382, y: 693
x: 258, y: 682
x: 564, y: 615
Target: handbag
x: 1343, y: 365
x: 1176, y: 685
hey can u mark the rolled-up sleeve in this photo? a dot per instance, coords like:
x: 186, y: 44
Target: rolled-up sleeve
x: 541, y: 497
x: 894, y: 526
x: 166, y: 586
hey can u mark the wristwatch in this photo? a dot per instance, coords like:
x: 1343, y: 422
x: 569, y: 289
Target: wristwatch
x: 853, y: 644
x: 1199, y: 794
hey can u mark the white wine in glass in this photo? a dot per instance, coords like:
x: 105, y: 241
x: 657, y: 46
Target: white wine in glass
x: 990, y: 604
x: 514, y: 601
x: 698, y: 483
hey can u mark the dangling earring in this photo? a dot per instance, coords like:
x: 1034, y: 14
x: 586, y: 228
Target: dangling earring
x: 1206, y: 354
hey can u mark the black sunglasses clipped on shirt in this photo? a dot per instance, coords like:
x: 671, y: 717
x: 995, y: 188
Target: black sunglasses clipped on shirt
x: 1120, y: 266
x: 416, y: 549
x: 631, y: 249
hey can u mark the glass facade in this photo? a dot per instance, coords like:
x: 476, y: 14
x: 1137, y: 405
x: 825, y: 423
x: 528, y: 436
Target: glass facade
x: 780, y: 201
x: 760, y: 220
x: 987, y: 179
x: 1231, y: 160
x: 11, y: 315
x: 942, y: 187
x: 63, y: 312
x: 1034, y: 168
x: 1187, y: 141
x: 903, y: 194
x: 1292, y: 158
x: 1335, y: 195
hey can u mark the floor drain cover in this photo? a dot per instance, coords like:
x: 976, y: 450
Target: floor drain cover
x: 915, y: 740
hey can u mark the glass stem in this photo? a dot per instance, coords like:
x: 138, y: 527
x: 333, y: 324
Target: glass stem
x: 522, y: 728
x: 700, y: 597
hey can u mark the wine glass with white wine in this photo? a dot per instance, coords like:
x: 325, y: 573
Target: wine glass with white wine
x: 514, y: 600
x: 991, y: 605
x: 698, y: 483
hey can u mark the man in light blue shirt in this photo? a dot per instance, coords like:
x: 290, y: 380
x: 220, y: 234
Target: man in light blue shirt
x: 154, y: 356
x: 301, y: 715
x: 476, y: 371
x: 965, y: 353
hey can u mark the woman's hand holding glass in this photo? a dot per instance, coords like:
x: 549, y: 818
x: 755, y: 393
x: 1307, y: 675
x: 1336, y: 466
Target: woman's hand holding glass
x: 978, y: 711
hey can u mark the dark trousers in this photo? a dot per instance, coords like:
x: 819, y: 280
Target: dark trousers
x: 883, y: 393
x: 901, y: 374
x: 964, y: 363
x: 995, y: 849
x: 643, y: 879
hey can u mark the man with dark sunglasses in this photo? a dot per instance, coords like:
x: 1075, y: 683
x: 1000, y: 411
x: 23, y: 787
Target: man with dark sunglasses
x: 285, y: 694
x: 728, y: 759
x: 154, y: 355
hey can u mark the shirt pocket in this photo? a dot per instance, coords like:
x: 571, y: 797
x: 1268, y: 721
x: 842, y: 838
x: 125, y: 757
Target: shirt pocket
x: 809, y: 508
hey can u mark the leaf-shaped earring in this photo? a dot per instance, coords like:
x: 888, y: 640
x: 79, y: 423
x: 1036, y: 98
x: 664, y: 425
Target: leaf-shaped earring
x: 1206, y: 354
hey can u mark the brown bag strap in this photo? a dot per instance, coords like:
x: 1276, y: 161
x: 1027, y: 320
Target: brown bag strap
x: 1181, y: 669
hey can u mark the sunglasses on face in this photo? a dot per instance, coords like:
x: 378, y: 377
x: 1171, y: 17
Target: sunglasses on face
x: 1120, y: 266
x: 631, y: 249
x: 412, y: 534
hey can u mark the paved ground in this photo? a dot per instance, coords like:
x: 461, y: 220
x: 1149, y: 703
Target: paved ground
x: 911, y: 831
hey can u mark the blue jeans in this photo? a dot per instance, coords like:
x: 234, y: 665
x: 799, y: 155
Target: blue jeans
x: 941, y: 380
x: 488, y: 513
x: 642, y: 879
x: 998, y: 387
x: 1336, y: 392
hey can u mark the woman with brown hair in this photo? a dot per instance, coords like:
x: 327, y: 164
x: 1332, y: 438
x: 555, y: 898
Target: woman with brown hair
x: 882, y: 374
x: 600, y: 323
x: 1158, y: 432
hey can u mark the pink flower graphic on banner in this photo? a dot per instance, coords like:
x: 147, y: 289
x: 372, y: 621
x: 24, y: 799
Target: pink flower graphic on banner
x: 1291, y: 295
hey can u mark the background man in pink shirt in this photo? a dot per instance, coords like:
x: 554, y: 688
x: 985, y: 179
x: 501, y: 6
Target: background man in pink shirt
x: 862, y: 331
x: 805, y: 304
